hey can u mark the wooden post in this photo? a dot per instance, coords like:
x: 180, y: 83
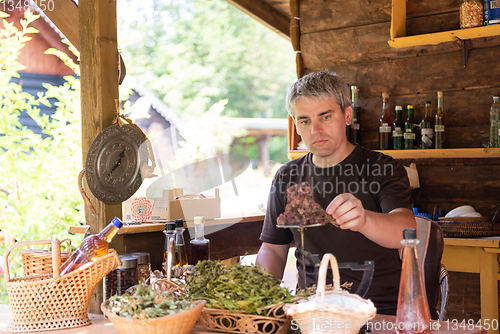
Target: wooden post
x: 99, y: 90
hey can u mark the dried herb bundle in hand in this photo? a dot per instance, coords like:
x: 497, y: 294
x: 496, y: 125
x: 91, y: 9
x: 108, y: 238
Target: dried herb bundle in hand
x: 239, y: 287
x: 301, y: 209
x: 145, y: 304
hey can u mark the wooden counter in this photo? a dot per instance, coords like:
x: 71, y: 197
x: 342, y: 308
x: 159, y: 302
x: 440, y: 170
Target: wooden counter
x: 101, y: 325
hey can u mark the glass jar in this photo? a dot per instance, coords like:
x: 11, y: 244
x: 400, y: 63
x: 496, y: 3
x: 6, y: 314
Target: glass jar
x: 123, y: 277
x: 143, y: 265
x: 471, y: 13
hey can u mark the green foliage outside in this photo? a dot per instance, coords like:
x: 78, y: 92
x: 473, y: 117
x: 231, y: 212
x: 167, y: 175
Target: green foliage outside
x: 39, y: 197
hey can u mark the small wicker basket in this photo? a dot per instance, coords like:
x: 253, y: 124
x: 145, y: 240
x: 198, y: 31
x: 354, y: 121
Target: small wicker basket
x: 180, y: 323
x: 50, y: 301
x: 336, y: 312
x: 39, y: 261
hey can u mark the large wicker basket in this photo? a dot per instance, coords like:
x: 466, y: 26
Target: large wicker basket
x: 335, y: 311
x: 50, y: 301
x: 468, y: 227
x: 180, y: 323
x: 39, y: 261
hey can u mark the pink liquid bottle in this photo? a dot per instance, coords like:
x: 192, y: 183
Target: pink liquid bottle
x: 200, y: 246
x: 413, y: 316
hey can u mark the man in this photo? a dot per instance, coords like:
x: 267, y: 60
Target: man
x: 366, y: 192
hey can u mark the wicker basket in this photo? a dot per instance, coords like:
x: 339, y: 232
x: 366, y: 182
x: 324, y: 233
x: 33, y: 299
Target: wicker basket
x: 39, y: 261
x: 48, y: 302
x: 335, y: 311
x: 468, y: 227
x: 180, y: 323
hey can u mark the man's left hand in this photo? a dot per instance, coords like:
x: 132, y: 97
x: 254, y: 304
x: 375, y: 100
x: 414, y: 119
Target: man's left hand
x: 348, y: 212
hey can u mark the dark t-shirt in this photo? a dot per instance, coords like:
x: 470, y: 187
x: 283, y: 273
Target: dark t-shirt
x: 382, y: 185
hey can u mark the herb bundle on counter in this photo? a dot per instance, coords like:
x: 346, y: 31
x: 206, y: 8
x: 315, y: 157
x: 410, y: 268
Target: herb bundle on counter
x: 145, y: 304
x: 239, y: 287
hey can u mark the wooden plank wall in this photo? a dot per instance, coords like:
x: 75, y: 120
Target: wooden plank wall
x: 350, y: 38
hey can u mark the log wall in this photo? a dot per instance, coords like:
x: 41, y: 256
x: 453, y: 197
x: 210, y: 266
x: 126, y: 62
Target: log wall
x: 350, y: 38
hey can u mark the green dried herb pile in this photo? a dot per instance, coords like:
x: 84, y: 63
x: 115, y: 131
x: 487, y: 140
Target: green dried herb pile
x: 239, y: 287
x: 145, y: 304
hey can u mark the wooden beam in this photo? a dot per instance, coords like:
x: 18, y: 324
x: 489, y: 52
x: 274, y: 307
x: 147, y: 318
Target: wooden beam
x: 264, y: 13
x: 398, y: 19
x: 64, y: 14
x: 99, y: 90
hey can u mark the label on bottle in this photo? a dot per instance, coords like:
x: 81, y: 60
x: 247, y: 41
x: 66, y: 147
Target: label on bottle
x: 355, y: 126
x: 384, y: 128
x: 428, y: 132
x: 409, y: 135
x: 397, y: 132
x: 439, y: 128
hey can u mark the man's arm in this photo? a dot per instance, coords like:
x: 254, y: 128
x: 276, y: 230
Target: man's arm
x: 385, y: 229
x: 273, y: 258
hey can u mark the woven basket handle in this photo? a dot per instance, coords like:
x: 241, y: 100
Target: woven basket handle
x: 327, y: 258
x: 56, y: 255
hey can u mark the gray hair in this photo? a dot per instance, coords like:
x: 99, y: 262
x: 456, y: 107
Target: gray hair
x: 321, y: 85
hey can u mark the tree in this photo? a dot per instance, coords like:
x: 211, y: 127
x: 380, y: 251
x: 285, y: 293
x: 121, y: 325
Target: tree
x: 39, y: 196
x: 196, y: 53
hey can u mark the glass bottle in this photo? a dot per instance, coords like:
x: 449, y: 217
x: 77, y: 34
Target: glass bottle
x: 385, y: 125
x: 439, y: 124
x: 471, y: 13
x: 169, y: 232
x: 412, y: 315
x: 427, y: 128
x: 200, y: 246
x: 355, y: 115
x: 494, y: 119
x: 180, y: 247
x: 123, y: 277
x: 409, y: 135
x: 397, y: 130
x: 92, y: 247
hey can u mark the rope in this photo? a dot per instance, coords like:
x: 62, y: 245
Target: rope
x: 86, y: 199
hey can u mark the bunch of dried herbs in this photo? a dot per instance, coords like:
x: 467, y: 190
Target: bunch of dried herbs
x: 239, y: 287
x: 146, y: 304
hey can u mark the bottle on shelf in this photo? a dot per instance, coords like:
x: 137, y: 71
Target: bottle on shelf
x: 397, y: 130
x: 200, y: 246
x: 409, y: 134
x: 412, y: 314
x: 439, y: 124
x: 180, y: 246
x: 427, y: 128
x: 494, y: 119
x: 169, y: 232
x: 385, y: 125
x: 92, y: 247
x: 355, y: 116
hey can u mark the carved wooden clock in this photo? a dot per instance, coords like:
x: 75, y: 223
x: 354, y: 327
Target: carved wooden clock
x: 113, y: 163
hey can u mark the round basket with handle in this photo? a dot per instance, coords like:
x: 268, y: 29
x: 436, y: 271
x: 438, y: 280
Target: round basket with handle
x: 336, y: 311
x: 39, y: 261
x: 50, y: 301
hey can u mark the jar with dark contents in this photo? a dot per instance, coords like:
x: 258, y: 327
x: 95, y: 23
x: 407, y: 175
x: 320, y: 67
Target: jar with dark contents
x: 123, y: 277
x: 143, y: 266
x: 471, y: 13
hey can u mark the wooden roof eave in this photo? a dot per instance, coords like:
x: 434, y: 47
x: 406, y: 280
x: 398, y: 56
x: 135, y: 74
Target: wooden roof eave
x: 64, y: 15
x: 265, y: 14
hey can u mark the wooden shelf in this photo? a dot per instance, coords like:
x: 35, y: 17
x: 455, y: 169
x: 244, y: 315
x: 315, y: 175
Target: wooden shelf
x: 428, y: 154
x: 400, y: 40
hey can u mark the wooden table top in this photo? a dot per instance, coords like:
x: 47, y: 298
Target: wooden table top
x: 382, y: 324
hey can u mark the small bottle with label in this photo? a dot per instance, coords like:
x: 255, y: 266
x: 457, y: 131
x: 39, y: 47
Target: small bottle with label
x: 397, y: 130
x: 427, y: 128
x: 409, y: 134
x: 494, y: 119
x: 169, y: 235
x: 180, y: 247
x: 385, y: 125
x: 439, y: 125
x: 355, y: 116
x: 200, y: 246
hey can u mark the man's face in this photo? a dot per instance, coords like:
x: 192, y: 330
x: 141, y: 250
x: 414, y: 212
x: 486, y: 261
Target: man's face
x: 321, y: 124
